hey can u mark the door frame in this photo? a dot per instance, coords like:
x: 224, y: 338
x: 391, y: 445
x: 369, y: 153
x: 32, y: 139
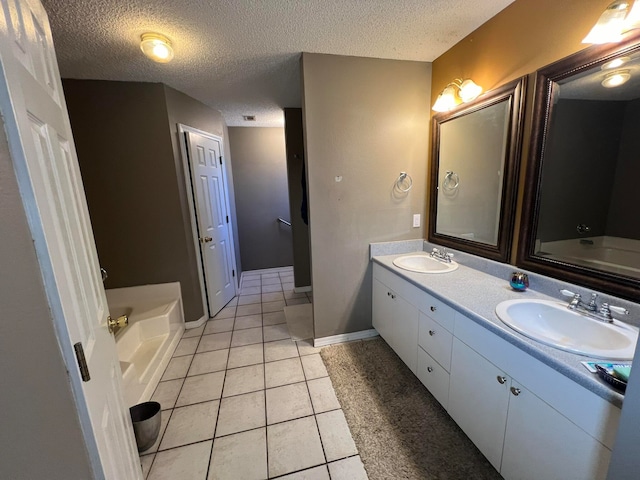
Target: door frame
x: 182, y: 129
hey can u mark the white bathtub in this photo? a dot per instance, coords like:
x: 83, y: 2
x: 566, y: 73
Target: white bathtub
x: 145, y: 346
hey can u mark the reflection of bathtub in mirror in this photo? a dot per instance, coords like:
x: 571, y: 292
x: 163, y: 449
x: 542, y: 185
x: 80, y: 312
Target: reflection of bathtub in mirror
x: 145, y: 346
x: 612, y: 254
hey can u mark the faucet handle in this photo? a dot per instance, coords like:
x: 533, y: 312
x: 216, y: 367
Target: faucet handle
x: 568, y: 293
x: 618, y: 310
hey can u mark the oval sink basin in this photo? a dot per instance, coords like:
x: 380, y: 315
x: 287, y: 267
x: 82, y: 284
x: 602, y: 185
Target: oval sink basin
x: 422, y: 263
x: 553, y: 324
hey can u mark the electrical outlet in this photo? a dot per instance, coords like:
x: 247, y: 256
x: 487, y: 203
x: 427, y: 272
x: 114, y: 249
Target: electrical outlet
x: 416, y: 220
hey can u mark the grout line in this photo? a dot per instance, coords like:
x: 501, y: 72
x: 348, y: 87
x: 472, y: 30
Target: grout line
x: 266, y: 421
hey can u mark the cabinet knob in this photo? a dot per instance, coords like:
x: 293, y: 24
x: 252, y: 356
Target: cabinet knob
x: 432, y: 332
x: 393, y: 296
x: 515, y: 391
x: 501, y: 380
x: 388, y: 294
x: 429, y: 369
x: 433, y: 309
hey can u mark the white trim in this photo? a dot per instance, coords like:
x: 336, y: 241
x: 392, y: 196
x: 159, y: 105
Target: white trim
x: 344, y: 337
x: 196, y: 323
x: 182, y: 129
x: 302, y: 289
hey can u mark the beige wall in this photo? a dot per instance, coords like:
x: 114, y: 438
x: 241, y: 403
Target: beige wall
x: 260, y: 182
x: 365, y: 121
x: 40, y: 434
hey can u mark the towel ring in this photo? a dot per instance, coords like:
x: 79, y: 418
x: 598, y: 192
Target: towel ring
x: 400, y: 181
x: 451, y: 181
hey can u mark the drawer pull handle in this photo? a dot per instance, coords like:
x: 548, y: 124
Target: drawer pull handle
x: 432, y: 332
x: 515, y: 391
x: 501, y: 380
x: 429, y: 369
x: 433, y: 309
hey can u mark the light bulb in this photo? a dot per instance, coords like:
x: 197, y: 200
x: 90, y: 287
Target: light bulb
x: 615, y: 63
x: 610, y: 25
x: 157, y: 47
x: 446, y: 100
x: 469, y: 90
x: 615, y: 79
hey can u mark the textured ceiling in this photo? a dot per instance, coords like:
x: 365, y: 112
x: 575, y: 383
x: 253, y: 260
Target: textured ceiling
x: 241, y: 56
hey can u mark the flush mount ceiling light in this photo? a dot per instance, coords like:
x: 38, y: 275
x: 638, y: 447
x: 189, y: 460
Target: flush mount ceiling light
x: 618, y: 18
x: 157, y: 47
x: 615, y: 79
x: 468, y: 90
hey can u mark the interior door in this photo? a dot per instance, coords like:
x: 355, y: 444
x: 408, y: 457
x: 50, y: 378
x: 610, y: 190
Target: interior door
x: 205, y: 161
x: 42, y: 150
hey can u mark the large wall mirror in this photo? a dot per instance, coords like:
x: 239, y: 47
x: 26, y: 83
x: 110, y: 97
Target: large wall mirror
x: 476, y: 150
x: 580, y: 220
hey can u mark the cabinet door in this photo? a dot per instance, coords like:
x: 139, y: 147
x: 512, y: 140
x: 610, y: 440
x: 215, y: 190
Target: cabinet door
x: 542, y: 443
x: 434, y: 377
x: 479, y: 400
x: 396, y: 320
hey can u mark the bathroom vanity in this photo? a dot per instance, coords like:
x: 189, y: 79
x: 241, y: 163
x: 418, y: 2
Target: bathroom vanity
x: 535, y: 412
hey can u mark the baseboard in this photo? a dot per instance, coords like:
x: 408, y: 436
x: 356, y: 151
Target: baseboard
x: 344, y: 337
x: 302, y: 289
x: 196, y: 323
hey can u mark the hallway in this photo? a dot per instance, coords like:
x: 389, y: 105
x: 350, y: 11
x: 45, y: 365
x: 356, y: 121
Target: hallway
x: 241, y: 400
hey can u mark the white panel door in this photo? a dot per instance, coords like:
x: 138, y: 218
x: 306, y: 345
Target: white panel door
x: 43, y: 153
x: 212, y: 214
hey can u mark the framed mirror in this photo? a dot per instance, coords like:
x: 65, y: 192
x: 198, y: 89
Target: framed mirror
x: 474, y: 171
x: 580, y: 221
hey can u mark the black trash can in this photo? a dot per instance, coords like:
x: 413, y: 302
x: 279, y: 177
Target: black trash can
x: 146, y: 424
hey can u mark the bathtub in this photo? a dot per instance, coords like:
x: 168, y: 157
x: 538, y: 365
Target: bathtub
x: 612, y: 254
x: 145, y: 346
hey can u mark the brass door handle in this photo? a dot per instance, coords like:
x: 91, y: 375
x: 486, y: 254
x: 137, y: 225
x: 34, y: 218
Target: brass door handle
x: 120, y: 322
x: 206, y: 239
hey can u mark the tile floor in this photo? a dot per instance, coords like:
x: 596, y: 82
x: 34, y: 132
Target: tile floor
x: 242, y: 401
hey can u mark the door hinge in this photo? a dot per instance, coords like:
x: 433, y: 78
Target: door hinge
x: 220, y: 160
x: 227, y: 218
x: 82, y: 362
x: 233, y: 273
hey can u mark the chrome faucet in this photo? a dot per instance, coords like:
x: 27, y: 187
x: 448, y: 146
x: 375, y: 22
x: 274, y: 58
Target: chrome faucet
x: 441, y: 254
x: 591, y: 309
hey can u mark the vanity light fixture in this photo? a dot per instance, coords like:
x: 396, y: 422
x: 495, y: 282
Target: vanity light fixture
x: 615, y: 79
x: 467, y: 91
x: 618, y: 18
x: 157, y: 47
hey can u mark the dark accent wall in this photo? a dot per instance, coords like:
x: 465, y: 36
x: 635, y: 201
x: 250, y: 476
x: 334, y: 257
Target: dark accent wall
x: 579, y: 168
x: 260, y: 182
x: 294, y: 142
x: 127, y: 144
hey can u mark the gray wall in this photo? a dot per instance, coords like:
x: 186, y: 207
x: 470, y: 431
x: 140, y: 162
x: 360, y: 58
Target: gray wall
x: 577, y: 173
x: 294, y: 140
x: 127, y: 143
x: 40, y: 431
x: 260, y: 182
x: 365, y: 121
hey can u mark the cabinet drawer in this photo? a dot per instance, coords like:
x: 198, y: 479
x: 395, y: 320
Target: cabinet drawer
x: 435, y: 340
x: 437, y: 310
x: 434, y: 377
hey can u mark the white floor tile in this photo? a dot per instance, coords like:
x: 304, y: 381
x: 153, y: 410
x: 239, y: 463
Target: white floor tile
x: 283, y: 372
x: 270, y: 275
x: 201, y: 388
x: 249, y: 290
x: 313, y: 366
x: 208, y: 362
x: 226, y: 312
x: 250, y: 321
x: 233, y: 302
x: 145, y: 462
x: 297, y: 301
x: 167, y: 392
x: 218, y: 326
x: 244, y: 380
x: 348, y: 469
x: 275, y: 332
x: 271, y: 281
x: 270, y: 307
x: 293, y: 446
x: 316, y: 473
x: 323, y: 396
x: 272, y: 288
x: 190, y: 425
x: 240, y: 456
x: 249, y: 299
x: 251, y: 283
x: 251, y: 309
x: 186, y: 346
x: 244, y: 356
x: 246, y: 337
x: 305, y: 347
x: 193, y: 332
x: 272, y: 297
x: 288, y: 286
x: 177, y: 368
x: 289, y: 294
x: 240, y: 413
x: 279, y: 350
x: 287, y: 403
x: 336, y: 436
x: 188, y: 462
x: 216, y: 341
x: 273, y: 318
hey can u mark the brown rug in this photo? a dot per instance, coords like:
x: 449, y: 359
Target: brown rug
x: 400, y: 430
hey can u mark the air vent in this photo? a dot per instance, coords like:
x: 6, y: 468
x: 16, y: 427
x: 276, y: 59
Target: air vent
x: 249, y: 118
